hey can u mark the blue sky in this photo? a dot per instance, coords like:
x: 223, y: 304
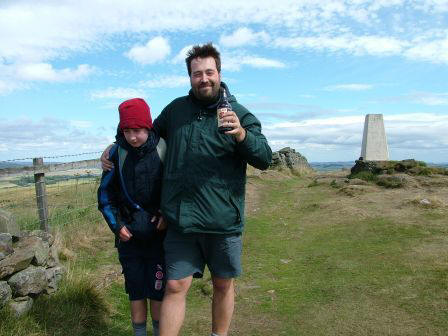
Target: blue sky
x: 309, y: 70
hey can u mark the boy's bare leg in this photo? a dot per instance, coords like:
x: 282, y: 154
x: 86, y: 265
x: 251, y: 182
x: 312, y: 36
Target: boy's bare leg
x: 138, y: 311
x: 172, y: 313
x: 138, y: 317
x: 154, y: 307
x: 222, y: 305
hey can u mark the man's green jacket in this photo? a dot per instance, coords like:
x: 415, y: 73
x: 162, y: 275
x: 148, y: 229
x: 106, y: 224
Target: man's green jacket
x: 204, y: 171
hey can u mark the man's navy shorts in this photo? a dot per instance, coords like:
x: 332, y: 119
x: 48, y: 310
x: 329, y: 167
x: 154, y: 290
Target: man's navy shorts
x: 144, y: 277
x: 187, y: 254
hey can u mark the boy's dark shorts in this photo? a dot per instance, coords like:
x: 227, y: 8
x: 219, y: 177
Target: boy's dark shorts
x: 187, y: 254
x: 144, y: 277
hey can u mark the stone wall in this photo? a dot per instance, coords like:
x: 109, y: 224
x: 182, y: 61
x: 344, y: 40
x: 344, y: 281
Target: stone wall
x: 288, y: 158
x: 29, y: 266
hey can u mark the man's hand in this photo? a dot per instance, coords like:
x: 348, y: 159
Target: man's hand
x: 161, y: 224
x: 230, y: 119
x: 106, y: 165
x: 124, y: 234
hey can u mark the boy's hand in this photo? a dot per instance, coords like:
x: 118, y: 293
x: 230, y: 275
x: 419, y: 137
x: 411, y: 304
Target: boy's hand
x: 161, y: 224
x: 124, y: 234
x: 106, y: 165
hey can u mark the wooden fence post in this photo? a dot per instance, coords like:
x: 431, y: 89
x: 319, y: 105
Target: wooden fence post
x: 41, y: 194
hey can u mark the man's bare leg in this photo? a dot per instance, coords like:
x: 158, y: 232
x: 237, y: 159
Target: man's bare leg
x: 172, y: 313
x: 222, y: 305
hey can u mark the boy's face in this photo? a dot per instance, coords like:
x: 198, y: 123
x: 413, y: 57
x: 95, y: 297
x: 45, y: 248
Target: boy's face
x: 136, y: 136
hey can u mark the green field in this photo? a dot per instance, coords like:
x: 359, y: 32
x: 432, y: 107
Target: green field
x: 317, y: 261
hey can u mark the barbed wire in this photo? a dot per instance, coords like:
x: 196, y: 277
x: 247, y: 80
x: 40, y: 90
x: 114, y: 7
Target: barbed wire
x: 80, y: 205
x: 52, y: 157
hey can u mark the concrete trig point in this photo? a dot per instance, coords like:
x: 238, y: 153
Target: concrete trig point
x: 374, y: 143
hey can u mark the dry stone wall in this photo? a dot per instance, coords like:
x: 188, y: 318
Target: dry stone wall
x: 29, y: 266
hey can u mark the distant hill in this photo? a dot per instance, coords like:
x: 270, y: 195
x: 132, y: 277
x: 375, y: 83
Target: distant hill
x: 441, y: 165
x: 338, y: 165
x: 15, y: 164
x: 328, y: 166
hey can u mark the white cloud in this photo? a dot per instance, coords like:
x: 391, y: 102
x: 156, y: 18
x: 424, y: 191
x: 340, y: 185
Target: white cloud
x: 436, y: 6
x: 244, y: 37
x: 432, y: 99
x: 234, y: 62
x: 433, y: 51
x: 46, y: 72
x: 42, y: 31
x: 357, y: 45
x: 48, y: 137
x: 155, y: 50
x: 348, y: 87
x: 81, y: 123
x: 416, y: 134
x: 9, y: 86
x: 117, y: 93
x: 424, y: 98
x: 168, y: 81
x: 182, y: 55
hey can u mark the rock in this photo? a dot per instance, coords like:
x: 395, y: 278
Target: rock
x: 45, y: 236
x: 8, y: 223
x: 409, y: 167
x: 15, y: 262
x: 32, y: 280
x: 287, y: 158
x: 425, y: 202
x: 5, y: 245
x: 53, y: 258
x: 41, y: 249
x: 375, y: 167
x: 5, y: 293
x: 21, y: 305
x: 285, y: 261
x: 54, y: 276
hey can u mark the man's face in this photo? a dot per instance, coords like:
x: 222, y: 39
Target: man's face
x: 205, y: 79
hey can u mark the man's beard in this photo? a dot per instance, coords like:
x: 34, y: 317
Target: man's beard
x: 209, y: 95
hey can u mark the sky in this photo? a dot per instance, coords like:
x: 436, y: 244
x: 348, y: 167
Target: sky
x: 309, y: 70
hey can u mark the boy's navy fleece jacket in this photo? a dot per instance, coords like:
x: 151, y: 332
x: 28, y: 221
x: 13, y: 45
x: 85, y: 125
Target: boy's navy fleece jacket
x: 141, y: 180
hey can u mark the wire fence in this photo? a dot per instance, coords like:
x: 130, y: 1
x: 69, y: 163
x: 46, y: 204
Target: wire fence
x: 51, y: 196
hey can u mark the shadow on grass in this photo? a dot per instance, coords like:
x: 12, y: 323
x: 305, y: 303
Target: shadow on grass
x: 76, y: 309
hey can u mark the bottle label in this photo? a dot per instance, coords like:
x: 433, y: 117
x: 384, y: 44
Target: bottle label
x: 220, y: 112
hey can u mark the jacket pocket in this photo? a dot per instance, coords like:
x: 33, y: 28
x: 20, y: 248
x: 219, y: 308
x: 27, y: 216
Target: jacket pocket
x: 141, y: 226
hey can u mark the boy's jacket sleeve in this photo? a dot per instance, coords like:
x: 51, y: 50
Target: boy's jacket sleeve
x: 107, y: 193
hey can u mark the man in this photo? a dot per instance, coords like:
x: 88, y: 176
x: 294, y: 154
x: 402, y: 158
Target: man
x: 203, y: 189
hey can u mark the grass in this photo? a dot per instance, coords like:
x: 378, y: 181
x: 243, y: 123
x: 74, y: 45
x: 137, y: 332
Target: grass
x: 313, y: 265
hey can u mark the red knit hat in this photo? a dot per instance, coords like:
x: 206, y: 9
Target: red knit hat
x: 134, y: 113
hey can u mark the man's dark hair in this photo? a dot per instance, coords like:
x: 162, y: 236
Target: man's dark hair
x: 203, y: 51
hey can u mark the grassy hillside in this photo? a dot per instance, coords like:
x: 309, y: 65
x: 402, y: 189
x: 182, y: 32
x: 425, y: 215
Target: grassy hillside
x: 322, y: 256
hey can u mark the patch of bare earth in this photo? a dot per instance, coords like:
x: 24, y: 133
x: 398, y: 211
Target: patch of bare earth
x: 369, y: 200
x: 254, y: 188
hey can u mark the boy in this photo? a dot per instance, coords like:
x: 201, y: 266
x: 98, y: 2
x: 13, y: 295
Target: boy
x: 129, y: 199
